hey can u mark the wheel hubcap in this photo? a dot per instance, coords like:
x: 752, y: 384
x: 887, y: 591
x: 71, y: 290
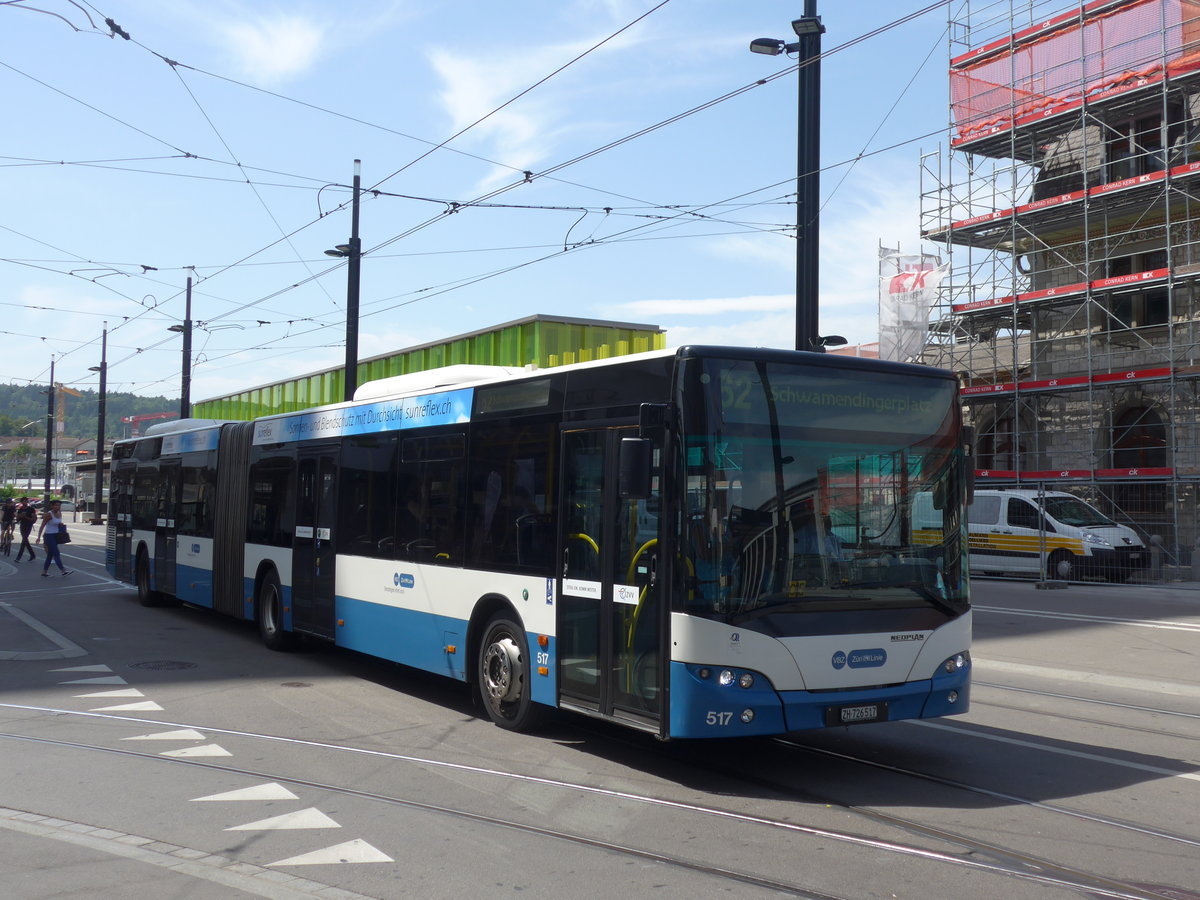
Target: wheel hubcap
x: 271, y: 611
x: 501, y: 670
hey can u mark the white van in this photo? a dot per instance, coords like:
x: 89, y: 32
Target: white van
x: 1005, y: 529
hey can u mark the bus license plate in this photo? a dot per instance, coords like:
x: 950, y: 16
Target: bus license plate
x: 854, y: 715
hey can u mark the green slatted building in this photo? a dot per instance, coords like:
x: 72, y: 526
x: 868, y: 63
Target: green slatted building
x: 543, y: 341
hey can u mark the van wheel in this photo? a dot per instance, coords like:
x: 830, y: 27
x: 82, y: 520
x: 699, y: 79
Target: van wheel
x: 1061, y: 566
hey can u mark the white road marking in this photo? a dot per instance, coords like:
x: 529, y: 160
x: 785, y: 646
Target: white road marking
x: 1061, y: 751
x: 109, y: 679
x: 147, y: 705
x: 181, y: 734
x: 356, y: 851
x: 206, y: 750
x: 304, y: 818
x: 1083, y: 617
x: 66, y: 649
x: 237, y: 876
x: 124, y: 692
x: 97, y: 668
x: 1146, y: 685
x: 270, y: 791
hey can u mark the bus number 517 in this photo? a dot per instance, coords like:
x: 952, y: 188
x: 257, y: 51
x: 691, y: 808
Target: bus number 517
x: 718, y: 718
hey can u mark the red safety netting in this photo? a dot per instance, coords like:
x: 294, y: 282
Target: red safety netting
x: 1109, y: 51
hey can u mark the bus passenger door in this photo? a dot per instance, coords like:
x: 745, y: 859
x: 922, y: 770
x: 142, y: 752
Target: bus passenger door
x: 609, y: 633
x: 166, y: 541
x: 313, y: 550
x: 120, y: 522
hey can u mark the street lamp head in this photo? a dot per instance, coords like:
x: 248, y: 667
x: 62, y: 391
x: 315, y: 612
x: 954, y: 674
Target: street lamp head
x: 768, y: 46
x: 340, y: 251
x: 178, y: 329
x: 95, y: 368
x: 808, y: 25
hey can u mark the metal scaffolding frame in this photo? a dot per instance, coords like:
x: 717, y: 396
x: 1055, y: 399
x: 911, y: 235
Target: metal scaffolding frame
x: 1068, y: 205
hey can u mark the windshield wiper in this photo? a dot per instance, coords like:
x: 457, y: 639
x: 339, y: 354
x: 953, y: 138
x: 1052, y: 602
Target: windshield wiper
x: 792, y: 606
x: 935, y: 600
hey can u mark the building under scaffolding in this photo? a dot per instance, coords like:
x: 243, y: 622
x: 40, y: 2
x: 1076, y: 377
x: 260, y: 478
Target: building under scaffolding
x: 1068, y: 205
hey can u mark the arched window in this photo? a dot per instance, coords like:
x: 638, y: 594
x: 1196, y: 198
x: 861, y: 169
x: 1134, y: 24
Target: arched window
x: 1000, y: 444
x: 1139, y: 439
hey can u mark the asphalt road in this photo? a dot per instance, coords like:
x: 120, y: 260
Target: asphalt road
x: 164, y: 751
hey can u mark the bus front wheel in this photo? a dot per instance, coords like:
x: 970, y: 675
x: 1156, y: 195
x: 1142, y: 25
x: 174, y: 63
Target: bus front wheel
x: 505, y: 675
x: 269, y: 611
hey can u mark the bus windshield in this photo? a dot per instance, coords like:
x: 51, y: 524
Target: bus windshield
x: 817, y: 487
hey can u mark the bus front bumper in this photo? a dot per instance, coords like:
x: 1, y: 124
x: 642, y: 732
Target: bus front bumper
x: 704, y: 707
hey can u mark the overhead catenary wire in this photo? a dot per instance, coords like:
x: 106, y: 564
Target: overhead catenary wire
x: 547, y: 173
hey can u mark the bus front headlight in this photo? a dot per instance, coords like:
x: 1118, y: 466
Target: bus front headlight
x: 957, y: 663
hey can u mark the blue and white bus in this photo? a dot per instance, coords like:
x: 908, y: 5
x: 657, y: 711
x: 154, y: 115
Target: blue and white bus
x: 703, y: 542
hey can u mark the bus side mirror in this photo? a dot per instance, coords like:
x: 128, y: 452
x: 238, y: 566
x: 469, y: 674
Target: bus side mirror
x: 968, y: 437
x: 633, y: 468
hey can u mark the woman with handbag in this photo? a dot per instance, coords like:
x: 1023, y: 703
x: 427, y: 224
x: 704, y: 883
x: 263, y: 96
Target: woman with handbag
x: 55, y: 530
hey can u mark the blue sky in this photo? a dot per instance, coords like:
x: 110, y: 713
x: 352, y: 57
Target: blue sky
x: 222, y: 137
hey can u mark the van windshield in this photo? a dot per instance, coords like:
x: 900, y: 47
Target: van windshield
x: 1071, y: 511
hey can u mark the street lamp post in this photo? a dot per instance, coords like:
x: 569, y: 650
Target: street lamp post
x: 97, y: 519
x: 808, y: 30
x: 49, y: 436
x: 185, y: 378
x: 352, y: 252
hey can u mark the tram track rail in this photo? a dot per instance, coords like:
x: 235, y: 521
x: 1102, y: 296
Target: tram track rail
x: 978, y: 855
x: 1088, y: 720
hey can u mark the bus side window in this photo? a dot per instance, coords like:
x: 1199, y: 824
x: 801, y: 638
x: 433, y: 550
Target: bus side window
x: 510, y: 520
x: 272, y: 504
x: 365, y: 505
x: 429, y: 499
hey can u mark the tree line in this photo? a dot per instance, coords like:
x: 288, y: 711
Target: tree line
x: 22, y: 405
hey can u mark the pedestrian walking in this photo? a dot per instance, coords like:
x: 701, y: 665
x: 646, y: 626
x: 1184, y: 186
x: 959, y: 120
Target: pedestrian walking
x: 26, y: 518
x: 52, y: 526
x: 8, y: 524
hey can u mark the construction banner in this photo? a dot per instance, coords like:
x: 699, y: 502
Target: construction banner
x: 908, y: 286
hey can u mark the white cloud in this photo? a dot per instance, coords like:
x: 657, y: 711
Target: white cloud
x: 271, y: 49
x: 472, y: 87
x: 774, y: 250
x: 872, y: 206
x: 709, y: 307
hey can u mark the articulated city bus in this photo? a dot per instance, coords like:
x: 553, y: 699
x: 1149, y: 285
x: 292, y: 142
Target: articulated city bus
x: 705, y: 542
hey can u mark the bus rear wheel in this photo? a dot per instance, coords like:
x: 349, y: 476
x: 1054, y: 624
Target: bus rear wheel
x: 505, y: 675
x: 147, y: 596
x: 268, y: 607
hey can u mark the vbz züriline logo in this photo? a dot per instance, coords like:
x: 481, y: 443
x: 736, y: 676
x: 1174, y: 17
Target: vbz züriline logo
x: 860, y: 659
x: 403, y: 580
